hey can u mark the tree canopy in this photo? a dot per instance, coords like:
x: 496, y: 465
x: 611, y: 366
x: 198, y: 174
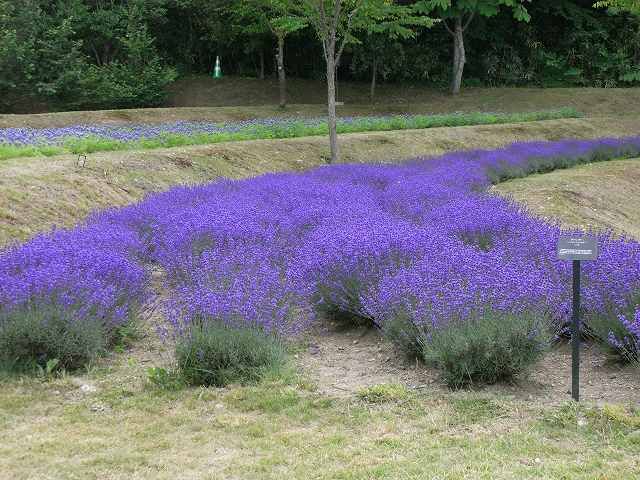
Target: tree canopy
x: 123, y: 53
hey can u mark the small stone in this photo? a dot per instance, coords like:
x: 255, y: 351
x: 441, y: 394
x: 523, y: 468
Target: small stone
x: 219, y: 406
x: 87, y: 388
x: 355, y: 342
x: 538, y: 460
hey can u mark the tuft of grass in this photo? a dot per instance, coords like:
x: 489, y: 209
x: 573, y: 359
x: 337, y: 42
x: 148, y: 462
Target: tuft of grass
x: 474, y: 409
x: 608, y: 421
x: 384, y: 393
x: 293, y: 129
x: 214, y: 354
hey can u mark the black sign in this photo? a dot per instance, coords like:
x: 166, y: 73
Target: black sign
x: 577, y: 248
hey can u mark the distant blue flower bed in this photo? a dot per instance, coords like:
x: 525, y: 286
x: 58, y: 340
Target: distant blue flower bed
x: 256, y: 128
x: 135, y: 132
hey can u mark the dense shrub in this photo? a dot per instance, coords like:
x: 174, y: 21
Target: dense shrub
x: 487, y: 348
x: 214, y: 354
x: 34, y: 335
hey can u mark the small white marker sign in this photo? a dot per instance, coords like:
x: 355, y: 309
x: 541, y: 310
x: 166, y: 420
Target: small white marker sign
x: 577, y: 248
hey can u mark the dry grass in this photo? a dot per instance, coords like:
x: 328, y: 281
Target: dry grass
x: 601, y: 196
x: 202, y: 98
x: 126, y: 429
x: 38, y: 193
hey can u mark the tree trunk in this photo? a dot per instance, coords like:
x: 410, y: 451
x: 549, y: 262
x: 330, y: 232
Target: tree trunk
x: 282, y: 78
x: 261, y: 73
x: 331, y: 107
x: 374, y: 74
x: 459, y: 56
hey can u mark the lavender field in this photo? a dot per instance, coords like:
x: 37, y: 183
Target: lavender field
x: 413, y: 248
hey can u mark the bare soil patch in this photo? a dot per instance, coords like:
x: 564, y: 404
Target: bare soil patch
x: 343, y: 362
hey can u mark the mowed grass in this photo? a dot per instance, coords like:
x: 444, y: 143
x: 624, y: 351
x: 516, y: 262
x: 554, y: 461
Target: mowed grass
x: 127, y: 429
x: 39, y: 193
x: 233, y: 99
x: 601, y: 196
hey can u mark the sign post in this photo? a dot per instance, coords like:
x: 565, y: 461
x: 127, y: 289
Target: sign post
x: 576, y: 249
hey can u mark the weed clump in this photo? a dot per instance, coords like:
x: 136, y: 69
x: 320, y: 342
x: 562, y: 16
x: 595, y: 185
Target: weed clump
x: 214, y: 354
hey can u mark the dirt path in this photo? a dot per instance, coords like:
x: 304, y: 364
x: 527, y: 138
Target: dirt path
x: 343, y: 362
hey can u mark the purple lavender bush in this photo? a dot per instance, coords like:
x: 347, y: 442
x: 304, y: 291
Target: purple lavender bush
x: 65, y: 295
x: 627, y: 341
x: 419, y: 249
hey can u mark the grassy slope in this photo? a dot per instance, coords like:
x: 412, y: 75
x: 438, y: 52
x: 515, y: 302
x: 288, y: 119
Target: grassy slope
x: 37, y: 193
x: 600, y: 196
x: 241, y: 99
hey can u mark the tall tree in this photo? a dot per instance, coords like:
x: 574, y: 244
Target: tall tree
x: 632, y: 7
x: 336, y: 23
x: 281, y: 18
x: 457, y: 15
x: 392, y: 22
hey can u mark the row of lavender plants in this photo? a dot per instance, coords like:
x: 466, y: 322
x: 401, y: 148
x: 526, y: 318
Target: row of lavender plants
x: 420, y: 249
x: 20, y: 142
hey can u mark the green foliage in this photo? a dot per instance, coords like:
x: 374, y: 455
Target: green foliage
x: 608, y: 323
x: 72, y: 53
x: 485, y: 8
x: 39, y: 58
x: 404, y: 333
x: 43, y: 338
x: 213, y: 354
x: 63, y: 54
x: 488, y: 348
x: 632, y: 6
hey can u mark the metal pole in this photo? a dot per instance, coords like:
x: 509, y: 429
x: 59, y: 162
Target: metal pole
x: 575, y: 334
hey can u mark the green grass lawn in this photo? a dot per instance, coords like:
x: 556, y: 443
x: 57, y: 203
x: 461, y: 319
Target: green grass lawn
x: 127, y: 428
